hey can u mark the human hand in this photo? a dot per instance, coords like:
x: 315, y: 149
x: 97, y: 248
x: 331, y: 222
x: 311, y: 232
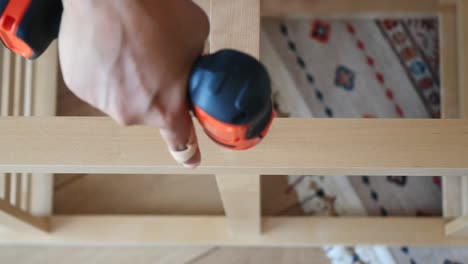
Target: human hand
x: 132, y: 59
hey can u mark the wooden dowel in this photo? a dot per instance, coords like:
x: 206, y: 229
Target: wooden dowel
x: 7, y: 187
x: 236, y: 24
x: 18, y: 86
x: 17, y: 110
x: 2, y: 175
x: 28, y: 194
x: 28, y: 88
x: 18, y: 190
x: 7, y: 74
x: 7, y: 77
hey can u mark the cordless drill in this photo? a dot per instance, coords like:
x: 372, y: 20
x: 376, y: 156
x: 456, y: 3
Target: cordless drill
x: 229, y: 91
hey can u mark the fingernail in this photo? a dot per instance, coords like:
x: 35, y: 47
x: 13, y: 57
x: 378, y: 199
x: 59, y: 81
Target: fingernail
x: 180, y: 147
x: 184, y: 156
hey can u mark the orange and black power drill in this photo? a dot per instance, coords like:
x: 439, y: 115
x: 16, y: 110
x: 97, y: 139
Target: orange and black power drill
x: 229, y: 91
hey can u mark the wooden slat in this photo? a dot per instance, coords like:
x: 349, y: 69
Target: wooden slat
x: 6, y: 105
x: 213, y: 230
x: 7, y: 83
x: 462, y: 26
x: 17, y: 105
x: 313, y: 146
x: 4, y: 102
x: 451, y: 187
x: 241, y: 199
x: 449, y: 65
x: 43, y: 79
x: 457, y: 227
x: 27, y: 111
x: 27, y: 194
x: 18, y: 190
x: 7, y: 187
x: 41, y: 195
x: 18, y: 86
x: 355, y: 8
x: 20, y: 221
x: 236, y: 24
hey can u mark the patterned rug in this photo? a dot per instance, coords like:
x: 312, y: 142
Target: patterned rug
x: 368, y: 69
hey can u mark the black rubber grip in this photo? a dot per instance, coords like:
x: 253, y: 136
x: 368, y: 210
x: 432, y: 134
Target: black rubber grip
x: 40, y: 24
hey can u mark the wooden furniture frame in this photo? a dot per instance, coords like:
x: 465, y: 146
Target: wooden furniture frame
x: 315, y: 146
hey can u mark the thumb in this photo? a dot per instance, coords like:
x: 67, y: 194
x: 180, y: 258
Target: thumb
x: 179, y: 133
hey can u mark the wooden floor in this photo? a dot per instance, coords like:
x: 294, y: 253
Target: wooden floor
x: 150, y: 194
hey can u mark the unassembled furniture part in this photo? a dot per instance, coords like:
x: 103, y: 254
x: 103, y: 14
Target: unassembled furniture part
x: 312, y: 146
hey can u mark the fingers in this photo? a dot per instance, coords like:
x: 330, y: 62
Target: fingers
x: 179, y: 134
x: 181, y: 140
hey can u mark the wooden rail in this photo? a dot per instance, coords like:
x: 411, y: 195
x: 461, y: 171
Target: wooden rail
x: 313, y: 146
x: 214, y: 230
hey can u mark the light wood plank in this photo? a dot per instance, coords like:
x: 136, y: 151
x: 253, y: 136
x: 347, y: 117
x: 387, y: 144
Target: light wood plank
x: 241, y: 199
x: 17, y: 106
x: 313, y: 147
x: 236, y: 24
x: 18, y: 190
x: 264, y: 255
x: 99, y: 255
x: 7, y: 187
x: 44, y: 80
x: 27, y: 194
x: 7, y: 83
x: 464, y: 196
x: 18, y: 86
x: 139, y: 194
x: 460, y: 203
x: 213, y: 230
x: 451, y: 187
x: 452, y: 196
x: 41, y: 195
x: 449, y: 65
x: 4, y: 102
x: 457, y: 227
x: 19, y: 221
x: 355, y: 8
x: 43, y: 77
x: 463, y: 56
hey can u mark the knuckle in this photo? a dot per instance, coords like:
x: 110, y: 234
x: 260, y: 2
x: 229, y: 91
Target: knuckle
x: 167, y: 121
x: 123, y: 117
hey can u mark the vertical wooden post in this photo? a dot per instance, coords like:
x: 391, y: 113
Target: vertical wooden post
x: 455, y: 192
x: 241, y: 199
x: 5, y: 106
x: 27, y: 88
x: 462, y: 26
x: 236, y: 24
x: 463, y: 70
x: 43, y: 79
x: 451, y: 187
